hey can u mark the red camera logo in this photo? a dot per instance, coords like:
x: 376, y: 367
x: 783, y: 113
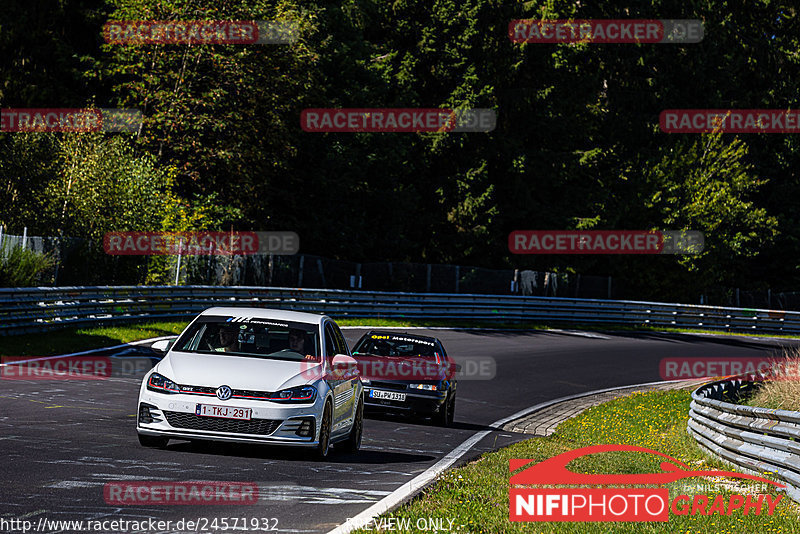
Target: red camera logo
x: 618, y: 504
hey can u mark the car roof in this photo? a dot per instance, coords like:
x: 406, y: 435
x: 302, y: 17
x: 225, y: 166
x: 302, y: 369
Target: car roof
x: 401, y: 334
x: 267, y: 313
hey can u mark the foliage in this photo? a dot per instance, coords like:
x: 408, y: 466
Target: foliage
x: 25, y: 268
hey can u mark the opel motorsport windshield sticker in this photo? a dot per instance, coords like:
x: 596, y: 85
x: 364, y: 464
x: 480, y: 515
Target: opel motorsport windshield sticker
x: 412, y: 340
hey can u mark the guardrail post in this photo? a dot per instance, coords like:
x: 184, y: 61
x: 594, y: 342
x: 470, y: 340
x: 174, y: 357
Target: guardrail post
x: 428, y: 283
x: 321, y: 272
x: 300, y: 274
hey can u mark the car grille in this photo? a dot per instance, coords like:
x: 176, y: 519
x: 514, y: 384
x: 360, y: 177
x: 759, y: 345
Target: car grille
x: 236, y: 393
x: 389, y: 385
x: 262, y: 427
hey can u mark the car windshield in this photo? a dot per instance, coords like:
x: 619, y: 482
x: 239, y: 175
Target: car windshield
x: 250, y: 336
x: 395, y: 345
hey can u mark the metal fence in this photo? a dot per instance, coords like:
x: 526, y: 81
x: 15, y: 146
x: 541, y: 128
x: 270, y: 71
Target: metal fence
x: 756, y: 439
x: 81, y: 262
x: 37, y: 309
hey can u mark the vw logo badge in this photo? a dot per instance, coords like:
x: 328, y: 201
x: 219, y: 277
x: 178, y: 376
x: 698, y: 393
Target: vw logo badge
x: 224, y: 392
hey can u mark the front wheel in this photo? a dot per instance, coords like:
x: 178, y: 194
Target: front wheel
x: 353, y: 443
x: 446, y: 413
x: 324, y: 445
x: 153, y: 441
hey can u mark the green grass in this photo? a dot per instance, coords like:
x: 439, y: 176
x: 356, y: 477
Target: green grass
x: 476, y: 495
x: 78, y: 339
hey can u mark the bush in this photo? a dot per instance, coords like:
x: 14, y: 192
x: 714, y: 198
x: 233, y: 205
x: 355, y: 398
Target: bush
x: 25, y: 268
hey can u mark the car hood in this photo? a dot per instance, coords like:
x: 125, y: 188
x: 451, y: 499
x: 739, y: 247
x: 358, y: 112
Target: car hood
x: 238, y: 372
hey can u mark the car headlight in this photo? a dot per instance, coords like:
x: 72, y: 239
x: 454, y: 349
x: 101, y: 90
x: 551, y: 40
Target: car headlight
x: 296, y: 394
x: 427, y: 387
x: 162, y: 384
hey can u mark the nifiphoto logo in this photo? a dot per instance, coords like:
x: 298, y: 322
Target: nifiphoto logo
x: 629, y: 504
x: 605, y: 31
x: 239, y: 32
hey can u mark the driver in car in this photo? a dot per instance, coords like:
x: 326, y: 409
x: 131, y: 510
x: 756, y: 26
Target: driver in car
x: 228, y: 339
x: 297, y: 342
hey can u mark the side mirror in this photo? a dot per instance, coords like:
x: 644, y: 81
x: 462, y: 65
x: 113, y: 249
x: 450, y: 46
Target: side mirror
x: 163, y: 345
x: 344, y: 366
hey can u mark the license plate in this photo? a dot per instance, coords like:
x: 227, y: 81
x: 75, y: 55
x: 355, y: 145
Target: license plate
x: 223, y: 412
x: 388, y: 395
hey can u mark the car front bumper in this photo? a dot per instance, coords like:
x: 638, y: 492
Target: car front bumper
x: 173, y: 416
x: 423, y: 403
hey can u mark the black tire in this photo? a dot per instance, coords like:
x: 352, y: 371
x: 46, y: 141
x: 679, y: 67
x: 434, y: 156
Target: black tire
x: 157, y: 442
x: 324, y: 446
x: 445, y: 415
x: 353, y: 442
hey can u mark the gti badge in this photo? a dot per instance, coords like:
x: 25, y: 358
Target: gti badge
x: 224, y: 392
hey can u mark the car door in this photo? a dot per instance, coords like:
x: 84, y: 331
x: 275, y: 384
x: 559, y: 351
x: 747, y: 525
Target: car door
x: 334, y: 379
x: 340, y: 385
x: 349, y: 383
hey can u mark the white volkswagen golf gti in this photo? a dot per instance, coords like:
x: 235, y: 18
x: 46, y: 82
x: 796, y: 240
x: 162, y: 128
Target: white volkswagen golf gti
x: 254, y: 375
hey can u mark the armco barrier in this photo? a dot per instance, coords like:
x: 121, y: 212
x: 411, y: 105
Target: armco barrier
x: 756, y: 439
x: 38, y: 309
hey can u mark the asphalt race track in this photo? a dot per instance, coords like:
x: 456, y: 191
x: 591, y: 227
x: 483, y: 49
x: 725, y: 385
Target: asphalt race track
x: 62, y: 441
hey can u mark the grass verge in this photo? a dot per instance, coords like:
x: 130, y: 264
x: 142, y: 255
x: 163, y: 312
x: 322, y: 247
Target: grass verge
x: 782, y: 390
x: 476, y: 495
x: 79, y: 339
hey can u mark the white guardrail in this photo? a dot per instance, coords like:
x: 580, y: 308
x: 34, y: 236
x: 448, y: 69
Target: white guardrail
x: 755, y: 439
x: 39, y: 309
